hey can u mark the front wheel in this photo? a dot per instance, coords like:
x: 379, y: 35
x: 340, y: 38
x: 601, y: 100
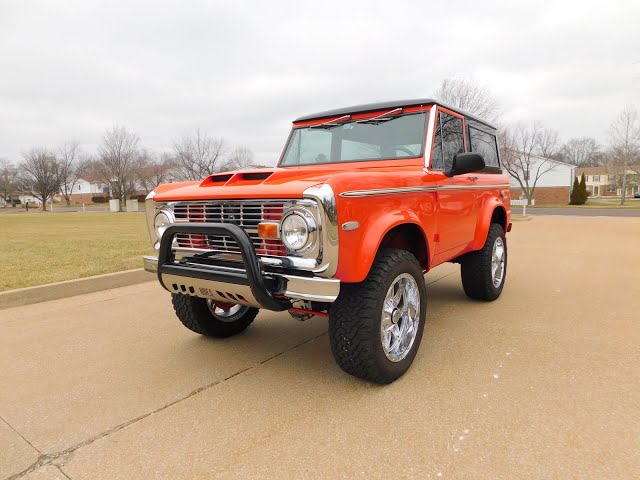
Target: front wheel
x: 211, y: 318
x: 375, y: 326
x: 484, y: 271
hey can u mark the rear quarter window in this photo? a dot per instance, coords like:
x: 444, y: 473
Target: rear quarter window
x: 485, y: 144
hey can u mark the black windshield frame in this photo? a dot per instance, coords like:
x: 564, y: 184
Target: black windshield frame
x: 422, y: 132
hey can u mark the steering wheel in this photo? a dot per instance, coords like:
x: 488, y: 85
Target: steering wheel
x: 405, y: 150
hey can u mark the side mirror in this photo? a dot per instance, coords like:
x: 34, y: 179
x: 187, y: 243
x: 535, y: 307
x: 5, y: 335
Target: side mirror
x: 465, y: 163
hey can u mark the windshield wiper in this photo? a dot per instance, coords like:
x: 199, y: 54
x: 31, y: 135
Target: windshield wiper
x: 382, y: 117
x: 333, y: 123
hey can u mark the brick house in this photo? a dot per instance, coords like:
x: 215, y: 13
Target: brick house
x: 88, y: 186
x: 553, y: 187
x: 603, y: 182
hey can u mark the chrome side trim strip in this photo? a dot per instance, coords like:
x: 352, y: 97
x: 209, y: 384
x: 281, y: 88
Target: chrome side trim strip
x: 470, y: 187
x: 392, y: 191
x: 386, y: 191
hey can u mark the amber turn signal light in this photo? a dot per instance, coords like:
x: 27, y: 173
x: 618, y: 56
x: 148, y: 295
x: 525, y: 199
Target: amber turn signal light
x: 268, y: 230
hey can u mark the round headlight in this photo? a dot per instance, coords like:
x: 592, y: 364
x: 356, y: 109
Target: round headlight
x: 295, y: 232
x: 162, y: 221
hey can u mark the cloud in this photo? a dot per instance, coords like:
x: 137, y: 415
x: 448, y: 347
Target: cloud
x: 244, y: 70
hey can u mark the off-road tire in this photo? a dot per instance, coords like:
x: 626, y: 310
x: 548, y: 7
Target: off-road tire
x: 355, y: 319
x: 475, y: 268
x: 194, y: 314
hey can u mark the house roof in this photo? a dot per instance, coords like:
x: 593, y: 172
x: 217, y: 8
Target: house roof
x: 602, y: 170
x: 371, y: 107
x: 592, y: 170
x: 553, y: 160
x: 90, y: 177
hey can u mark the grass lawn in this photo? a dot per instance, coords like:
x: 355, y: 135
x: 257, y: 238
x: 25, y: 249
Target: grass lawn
x: 597, y: 203
x: 43, y: 247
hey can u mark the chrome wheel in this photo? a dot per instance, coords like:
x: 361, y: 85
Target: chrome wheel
x: 226, y: 312
x: 400, y: 317
x: 497, y: 262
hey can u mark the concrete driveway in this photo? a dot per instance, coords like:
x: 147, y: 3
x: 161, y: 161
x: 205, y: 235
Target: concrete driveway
x: 542, y: 383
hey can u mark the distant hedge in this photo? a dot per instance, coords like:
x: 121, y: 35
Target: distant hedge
x: 100, y: 199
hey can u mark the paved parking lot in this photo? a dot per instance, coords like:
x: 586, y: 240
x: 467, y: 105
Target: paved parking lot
x: 542, y: 383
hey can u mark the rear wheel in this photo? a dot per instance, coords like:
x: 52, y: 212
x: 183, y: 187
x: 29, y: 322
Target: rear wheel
x: 484, y: 271
x: 375, y: 326
x: 212, y: 318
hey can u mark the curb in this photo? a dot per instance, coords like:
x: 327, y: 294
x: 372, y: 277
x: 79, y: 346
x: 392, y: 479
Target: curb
x: 71, y: 288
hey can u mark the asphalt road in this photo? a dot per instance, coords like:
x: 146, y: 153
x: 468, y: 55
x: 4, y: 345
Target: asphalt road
x: 582, y: 212
x: 542, y: 383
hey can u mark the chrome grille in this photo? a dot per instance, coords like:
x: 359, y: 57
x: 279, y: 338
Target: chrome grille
x: 245, y: 214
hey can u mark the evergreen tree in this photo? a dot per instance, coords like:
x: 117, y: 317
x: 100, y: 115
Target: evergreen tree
x: 573, y: 199
x: 583, y: 190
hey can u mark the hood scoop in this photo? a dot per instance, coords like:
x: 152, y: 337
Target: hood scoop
x: 237, y: 178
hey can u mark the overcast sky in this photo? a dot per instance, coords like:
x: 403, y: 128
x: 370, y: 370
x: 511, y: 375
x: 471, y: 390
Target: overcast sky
x: 244, y: 70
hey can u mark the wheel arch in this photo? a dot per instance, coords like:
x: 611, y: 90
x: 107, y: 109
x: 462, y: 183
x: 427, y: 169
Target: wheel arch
x: 495, y: 212
x: 409, y: 237
x: 386, y: 232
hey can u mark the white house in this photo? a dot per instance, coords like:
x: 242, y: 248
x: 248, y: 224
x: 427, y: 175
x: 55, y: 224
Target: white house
x: 90, y: 184
x: 553, y: 186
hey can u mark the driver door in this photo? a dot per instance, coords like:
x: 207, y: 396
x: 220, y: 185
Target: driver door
x: 455, y: 210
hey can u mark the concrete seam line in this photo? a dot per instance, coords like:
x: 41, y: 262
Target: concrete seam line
x: 20, y: 435
x: 71, y: 288
x: 49, y: 458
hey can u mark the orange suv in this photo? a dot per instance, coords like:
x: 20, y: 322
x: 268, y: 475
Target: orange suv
x: 362, y: 203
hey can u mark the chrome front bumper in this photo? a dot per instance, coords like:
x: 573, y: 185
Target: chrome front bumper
x: 313, y: 289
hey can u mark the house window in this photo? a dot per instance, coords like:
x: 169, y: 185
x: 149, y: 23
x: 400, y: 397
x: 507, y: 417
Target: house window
x: 611, y: 178
x: 611, y: 189
x: 596, y: 178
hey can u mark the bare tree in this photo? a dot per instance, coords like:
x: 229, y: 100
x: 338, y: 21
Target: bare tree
x: 241, y: 157
x: 624, y: 147
x: 8, y: 179
x: 73, y: 163
x: 153, y: 170
x: 470, y: 96
x: 198, y: 155
x: 117, y: 160
x: 521, y: 155
x: 582, y: 151
x: 41, y: 174
x: 548, y: 142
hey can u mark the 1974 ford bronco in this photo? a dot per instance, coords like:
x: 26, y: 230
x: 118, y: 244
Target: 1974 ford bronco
x: 363, y: 202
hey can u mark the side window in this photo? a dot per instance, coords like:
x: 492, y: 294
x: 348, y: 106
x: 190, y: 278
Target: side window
x: 485, y: 144
x: 436, y: 158
x: 452, y: 138
x: 447, y: 142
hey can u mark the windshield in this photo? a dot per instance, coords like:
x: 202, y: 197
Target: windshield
x: 357, y: 140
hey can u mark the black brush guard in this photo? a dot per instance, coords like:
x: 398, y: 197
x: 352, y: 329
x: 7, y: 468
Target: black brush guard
x: 251, y: 277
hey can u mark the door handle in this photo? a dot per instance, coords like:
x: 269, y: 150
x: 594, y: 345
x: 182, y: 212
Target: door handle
x: 473, y: 179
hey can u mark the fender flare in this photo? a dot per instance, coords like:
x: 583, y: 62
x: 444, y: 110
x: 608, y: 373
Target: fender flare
x: 376, y: 231
x: 484, y: 221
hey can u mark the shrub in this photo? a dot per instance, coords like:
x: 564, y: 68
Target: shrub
x: 100, y: 199
x: 575, y: 194
x: 583, y: 191
x: 140, y: 198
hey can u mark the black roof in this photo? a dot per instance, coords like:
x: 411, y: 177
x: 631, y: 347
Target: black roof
x: 370, y: 107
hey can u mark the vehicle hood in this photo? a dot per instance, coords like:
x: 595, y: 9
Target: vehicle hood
x: 245, y: 184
